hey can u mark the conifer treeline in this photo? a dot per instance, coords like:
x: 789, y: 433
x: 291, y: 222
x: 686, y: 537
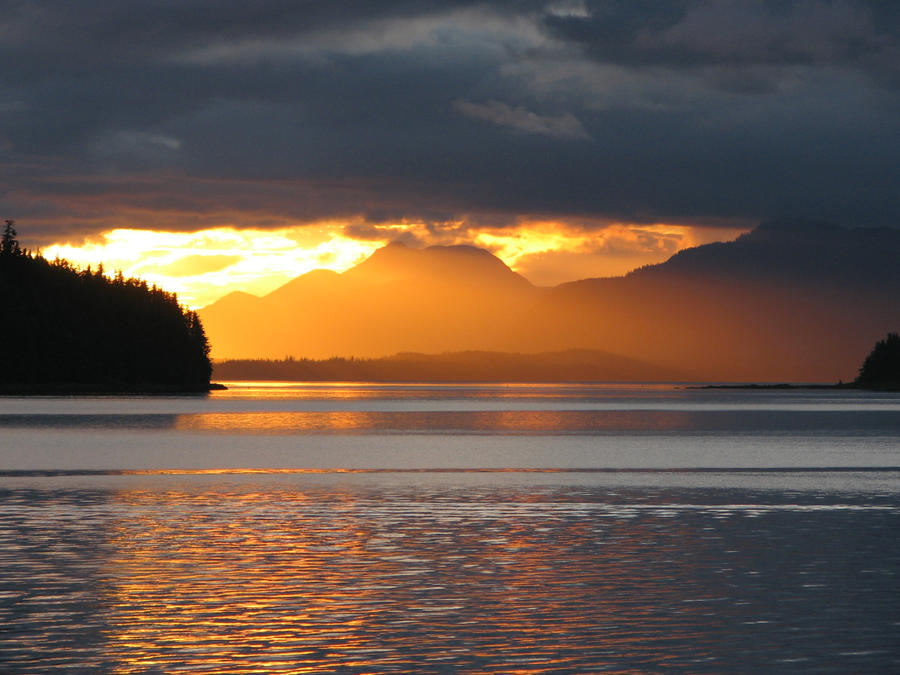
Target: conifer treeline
x: 65, y: 329
x: 881, y: 369
x: 572, y: 365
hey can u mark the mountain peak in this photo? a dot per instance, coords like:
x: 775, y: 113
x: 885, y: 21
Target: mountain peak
x: 799, y: 301
x: 457, y: 263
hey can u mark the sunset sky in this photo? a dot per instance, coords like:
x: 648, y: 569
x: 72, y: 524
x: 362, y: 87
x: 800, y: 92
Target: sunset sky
x: 213, y: 146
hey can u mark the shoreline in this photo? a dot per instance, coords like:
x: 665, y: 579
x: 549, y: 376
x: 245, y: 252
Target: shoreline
x: 69, y: 389
x: 786, y: 385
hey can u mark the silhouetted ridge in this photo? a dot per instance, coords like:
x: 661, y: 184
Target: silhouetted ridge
x: 793, y: 300
x: 796, y: 250
x: 441, y: 298
x: 68, y: 330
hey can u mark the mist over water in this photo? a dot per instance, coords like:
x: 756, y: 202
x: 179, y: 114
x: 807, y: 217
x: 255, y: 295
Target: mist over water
x: 359, y: 528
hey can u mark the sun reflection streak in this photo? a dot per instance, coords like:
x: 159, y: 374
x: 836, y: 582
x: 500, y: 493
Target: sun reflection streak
x: 549, y: 422
x: 434, y: 573
x: 291, y: 579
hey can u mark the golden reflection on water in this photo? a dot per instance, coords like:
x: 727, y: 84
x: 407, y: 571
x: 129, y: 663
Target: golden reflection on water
x: 273, y: 390
x: 424, y: 573
x: 492, y: 421
x: 292, y: 581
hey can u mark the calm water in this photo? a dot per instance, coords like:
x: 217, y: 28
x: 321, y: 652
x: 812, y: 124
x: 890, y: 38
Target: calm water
x: 519, y: 529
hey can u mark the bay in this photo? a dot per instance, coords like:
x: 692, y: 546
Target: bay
x: 355, y: 528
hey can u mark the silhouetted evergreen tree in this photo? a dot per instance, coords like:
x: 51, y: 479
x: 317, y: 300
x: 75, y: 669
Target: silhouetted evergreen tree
x: 9, y: 245
x: 882, y: 366
x: 72, y: 330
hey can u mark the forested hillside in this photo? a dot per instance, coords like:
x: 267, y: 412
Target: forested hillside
x: 573, y: 365
x: 66, y: 330
x: 881, y: 369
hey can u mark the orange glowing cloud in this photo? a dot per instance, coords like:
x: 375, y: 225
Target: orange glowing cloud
x: 204, y: 265
x: 549, y: 253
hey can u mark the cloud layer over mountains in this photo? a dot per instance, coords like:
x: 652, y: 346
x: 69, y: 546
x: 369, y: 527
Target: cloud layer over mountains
x: 193, y: 114
x: 781, y: 303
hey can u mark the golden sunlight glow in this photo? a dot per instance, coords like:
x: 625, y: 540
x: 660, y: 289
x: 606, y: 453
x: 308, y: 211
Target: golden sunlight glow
x: 549, y: 253
x: 205, y: 265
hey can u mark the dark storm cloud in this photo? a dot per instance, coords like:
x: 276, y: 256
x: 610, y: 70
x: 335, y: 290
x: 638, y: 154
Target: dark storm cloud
x: 691, y: 33
x: 693, y: 111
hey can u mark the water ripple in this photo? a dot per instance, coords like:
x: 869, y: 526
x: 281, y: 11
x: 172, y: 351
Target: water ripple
x: 395, y: 575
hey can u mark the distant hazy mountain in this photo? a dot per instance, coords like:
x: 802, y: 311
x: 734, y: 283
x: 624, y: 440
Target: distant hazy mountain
x: 443, y: 298
x: 791, y: 300
x: 573, y: 365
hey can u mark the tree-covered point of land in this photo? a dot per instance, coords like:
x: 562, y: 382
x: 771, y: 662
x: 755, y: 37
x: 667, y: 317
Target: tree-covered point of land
x: 881, y: 369
x: 69, y: 330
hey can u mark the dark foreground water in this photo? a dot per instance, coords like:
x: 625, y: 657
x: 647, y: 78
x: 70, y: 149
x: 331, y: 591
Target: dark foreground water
x: 531, y: 530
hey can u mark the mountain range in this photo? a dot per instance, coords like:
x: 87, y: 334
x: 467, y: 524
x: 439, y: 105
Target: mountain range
x: 790, y: 300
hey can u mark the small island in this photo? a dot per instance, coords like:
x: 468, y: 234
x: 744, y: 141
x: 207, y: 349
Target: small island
x: 879, y: 372
x: 881, y: 369
x: 70, y: 331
